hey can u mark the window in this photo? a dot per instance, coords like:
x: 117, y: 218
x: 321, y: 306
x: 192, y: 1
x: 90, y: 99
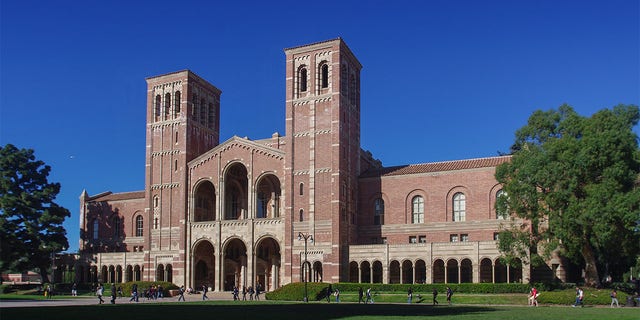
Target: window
x: 158, y: 106
x: 496, y: 236
x: 155, y: 223
x: 413, y: 239
x: 324, y: 76
x: 176, y: 104
x: 194, y: 114
x: 96, y: 229
x: 417, y: 209
x: 302, y: 78
x: 301, y: 215
x: 139, y: 226
x: 203, y: 112
x: 464, y: 237
x: 211, y: 116
x: 422, y: 239
x: 453, y: 238
x: 378, y: 214
x: 352, y: 89
x: 116, y: 227
x: 262, y: 205
x: 459, y: 206
x: 167, y: 105
x: 343, y: 79
x: 301, y: 188
x: 500, y: 215
x: 156, y: 201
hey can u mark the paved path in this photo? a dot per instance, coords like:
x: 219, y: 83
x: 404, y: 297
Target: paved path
x: 79, y: 301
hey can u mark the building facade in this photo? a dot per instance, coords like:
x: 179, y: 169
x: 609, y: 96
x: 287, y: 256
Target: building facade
x: 311, y: 205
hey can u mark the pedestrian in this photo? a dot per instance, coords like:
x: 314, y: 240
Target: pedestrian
x: 435, y: 296
x: 360, y: 294
x: 449, y: 294
x: 120, y: 293
x: 328, y: 293
x: 244, y: 293
x: 48, y: 292
x: 181, y: 293
x: 204, y: 292
x: 134, y: 293
x: 235, y: 293
x: 614, y: 298
x: 251, y: 291
x: 533, y: 299
x: 113, y: 293
x: 409, y: 295
x: 336, y: 293
x: 579, y: 298
x: 369, y: 298
x: 74, y: 290
x: 258, y: 290
x: 99, y: 290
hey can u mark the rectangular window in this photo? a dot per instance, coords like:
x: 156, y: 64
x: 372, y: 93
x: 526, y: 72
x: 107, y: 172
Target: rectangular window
x: 413, y: 239
x: 422, y: 239
x: 464, y: 237
x: 453, y: 238
x: 496, y: 236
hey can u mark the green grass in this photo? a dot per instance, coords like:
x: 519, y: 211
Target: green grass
x: 311, y: 311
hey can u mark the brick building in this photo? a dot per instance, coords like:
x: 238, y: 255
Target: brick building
x: 238, y: 212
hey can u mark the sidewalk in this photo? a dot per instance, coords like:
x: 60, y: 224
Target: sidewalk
x: 79, y: 301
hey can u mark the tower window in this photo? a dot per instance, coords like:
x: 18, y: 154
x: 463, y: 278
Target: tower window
x: 211, y: 116
x: 303, y: 79
x: 324, y: 76
x: 176, y: 103
x: 301, y: 215
x: 195, y: 110
x: 158, y: 106
x: 203, y: 112
x: 417, y: 209
x: 378, y: 214
x: 167, y: 104
x: 301, y: 188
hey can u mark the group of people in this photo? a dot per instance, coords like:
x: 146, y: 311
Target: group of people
x: 361, y: 296
x: 247, y: 290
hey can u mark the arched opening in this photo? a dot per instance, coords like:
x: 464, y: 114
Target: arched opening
x: 421, y: 271
x: 118, y: 274
x: 452, y: 271
x: 317, y: 271
x: 268, y: 260
x: 235, y: 193
x: 365, y: 272
x: 394, y: 272
x: 466, y: 271
x: 515, y: 271
x: 438, y: 271
x: 168, y: 273
x: 407, y: 271
x: 235, y: 265
x: 500, y: 272
x: 205, y: 202
x: 104, y: 272
x: 353, y: 272
x: 128, y: 274
x: 377, y: 272
x: 160, y: 272
x: 486, y: 271
x: 204, y: 262
x: 268, y: 197
x: 137, y: 273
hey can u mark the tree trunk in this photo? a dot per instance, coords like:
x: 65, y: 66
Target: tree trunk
x: 44, y: 274
x: 591, y: 277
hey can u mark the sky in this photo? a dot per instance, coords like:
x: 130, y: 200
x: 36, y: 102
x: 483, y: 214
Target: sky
x: 441, y: 80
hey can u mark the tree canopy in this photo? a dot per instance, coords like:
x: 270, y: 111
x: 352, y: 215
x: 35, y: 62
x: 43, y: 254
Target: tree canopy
x: 30, y: 220
x: 574, y: 181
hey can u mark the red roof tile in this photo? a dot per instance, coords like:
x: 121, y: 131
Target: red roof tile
x: 437, y: 167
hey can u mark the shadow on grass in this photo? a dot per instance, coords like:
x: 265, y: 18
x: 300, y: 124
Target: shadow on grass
x: 279, y: 311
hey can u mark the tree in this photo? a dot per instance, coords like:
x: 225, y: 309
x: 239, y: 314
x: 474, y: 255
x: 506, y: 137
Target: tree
x: 574, y: 182
x: 30, y: 221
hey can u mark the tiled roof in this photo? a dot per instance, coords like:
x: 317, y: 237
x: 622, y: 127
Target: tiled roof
x: 120, y: 196
x: 436, y: 167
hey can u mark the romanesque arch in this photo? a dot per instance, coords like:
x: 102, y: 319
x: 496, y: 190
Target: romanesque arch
x: 353, y: 272
x: 365, y: 272
x: 204, y: 264
x: 235, y: 192
x: 235, y: 264
x: 438, y: 271
x: 317, y: 271
x: 421, y: 271
x: 204, y: 207
x: 452, y: 271
x: 407, y: 271
x: 394, y: 272
x: 377, y: 272
x: 486, y: 271
x: 268, y: 197
x: 466, y: 271
x: 268, y: 262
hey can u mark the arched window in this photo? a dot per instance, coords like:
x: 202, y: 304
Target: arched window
x: 378, y: 213
x: 301, y: 188
x: 139, y: 226
x: 167, y: 105
x: 302, y: 79
x: 158, y: 106
x: 501, y: 215
x: 263, y: 200
x: 301, y: 215
x: 116, y: 226
x: 96, y: 229
x: 417, y: 209
x: 459, y: 206
x: 324, y: 75
x: 176, y: 103
x: 352, y: 89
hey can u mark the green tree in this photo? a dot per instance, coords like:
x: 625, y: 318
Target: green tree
x: 30, y: 221
x: 573, y: 180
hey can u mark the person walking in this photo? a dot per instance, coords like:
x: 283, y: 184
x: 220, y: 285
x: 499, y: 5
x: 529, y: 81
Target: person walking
x: 614, y: 298
x: 336, y: 293
x: 534, y: 297
x: 579, y: 298
x: 114, y: 293
x: 369, y: 298
x: 360, y: 295
x: 409, y: 295
x: 99, y: 291
x: 329, y: 291
x: 449, y: 294
x: 204, y: 292
x: 181, y: 293
x: 74, y: 290
x: 134, y: 293
x: 435, y: 296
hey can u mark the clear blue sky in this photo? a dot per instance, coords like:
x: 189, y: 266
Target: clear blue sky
x: 442, y: 80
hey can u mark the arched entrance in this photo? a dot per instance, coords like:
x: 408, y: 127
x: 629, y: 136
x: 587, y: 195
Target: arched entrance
x: 268, y: 261
x: 365, y: 272
x: 204, y: 202
x: 421, y: 271
x: 438, y: 271
x: 203, y: 265
x: 353, y: 272
x: 317, y: 271
x: 452, y: 271
x: 466, y: 271
x: 377, y: 272
x: 235, y: 265
x: 486, y: 271
x: 235, y: 192
x: 394, y: 272
x: 407, y: 271
x: 268, y: 197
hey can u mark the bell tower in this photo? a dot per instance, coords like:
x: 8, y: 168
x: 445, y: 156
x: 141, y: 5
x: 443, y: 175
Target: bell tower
x: 183, y: 122
x: 322, y: 155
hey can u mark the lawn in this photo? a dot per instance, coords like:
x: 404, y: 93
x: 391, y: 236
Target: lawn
x: 311, y: 311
